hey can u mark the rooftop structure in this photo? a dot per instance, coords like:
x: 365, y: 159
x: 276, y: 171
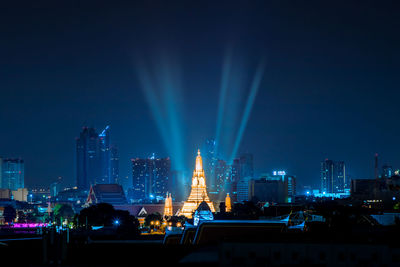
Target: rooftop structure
x: 106, y: 193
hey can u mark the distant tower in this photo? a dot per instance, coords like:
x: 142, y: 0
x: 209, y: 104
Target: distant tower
x: 168, y: 212
x: 114, y: 165
x: 12, y: 176
x: 150, y: 177
x: 333, y: 176
x: 198, y: 193
x: 228, y: 205
x: 88, y: 166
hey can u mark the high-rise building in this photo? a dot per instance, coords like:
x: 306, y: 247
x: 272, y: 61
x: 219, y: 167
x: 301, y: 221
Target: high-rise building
x: 246, y: 165
x: 114, y: 166
x: 96, y: 159
x: 150, y: 177
x: 161, y: 176
x: 242, y: 188
x: 387, y: 171
x: 87, y: 158
x: 12, y: 176
x: 267, y: 190
x: 284, y: 182
x: 235, y: 178
x: 220, y: 175
x: 333, y: 176
x: 105, y: 157
x: 210, y: 162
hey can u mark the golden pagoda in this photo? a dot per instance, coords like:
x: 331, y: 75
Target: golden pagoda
x: 168, y: 206
x: 198, y: 193
x: 228, y: 205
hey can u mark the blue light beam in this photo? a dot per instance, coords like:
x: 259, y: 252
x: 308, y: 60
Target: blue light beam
x: 226, y: 70
x: 249, y: 104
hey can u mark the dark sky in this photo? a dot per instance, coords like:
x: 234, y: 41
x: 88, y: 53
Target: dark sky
x: 330, y: 87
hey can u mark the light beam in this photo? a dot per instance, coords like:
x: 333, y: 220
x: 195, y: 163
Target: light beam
x: 249, y: 104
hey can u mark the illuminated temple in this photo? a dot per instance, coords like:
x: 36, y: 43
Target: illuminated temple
x: 198, y: 193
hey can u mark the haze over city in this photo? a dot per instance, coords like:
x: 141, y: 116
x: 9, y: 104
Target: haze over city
x: 329, y: 86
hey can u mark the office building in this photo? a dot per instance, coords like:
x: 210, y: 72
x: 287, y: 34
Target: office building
x: 150, y: 177
x: 221, y: 170
x: 21, y: 194
x: 210, y: 162
x: 114, y: 165
x: 333, y: 176
x: 387, y: 171
x: 12, y: 174
x: 246, y: 165
x: 96, y: 159
x: 105, y: 157
x: 242, y: 189
x: 276, y: 187
x: 267, y: 190
x: 87, y: 158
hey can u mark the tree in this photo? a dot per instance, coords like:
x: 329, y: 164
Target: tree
x: 174, y: 220
x: 62, y: 212
x: 104, y: 214
x: 9, y: 214
x: 152, y: 218
x: 22, y: 217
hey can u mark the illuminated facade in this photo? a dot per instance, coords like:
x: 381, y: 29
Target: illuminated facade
x: 198, y: 193
x: 228, y: 204
x: 150, y: 178
x: 12, y: 174
x: 333, y: 176
x: 168, y: 212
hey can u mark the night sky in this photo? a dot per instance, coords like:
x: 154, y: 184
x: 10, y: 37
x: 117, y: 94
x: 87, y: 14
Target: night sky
x: 330, y: 86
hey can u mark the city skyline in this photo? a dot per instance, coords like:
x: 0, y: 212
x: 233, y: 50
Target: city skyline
x: 328, y: 87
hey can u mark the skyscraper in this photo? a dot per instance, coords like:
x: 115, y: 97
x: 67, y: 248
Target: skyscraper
x: 161, y: 176
x: 210, y: 162
x: 12, y: 176
x: 87, y: 158
x: 114, y: 165
x: 387, y: 171
x: 333, y: 176
x: 150, y: 177
x: 221, y: 171
x: 105, y: 157
x: 96, y: 163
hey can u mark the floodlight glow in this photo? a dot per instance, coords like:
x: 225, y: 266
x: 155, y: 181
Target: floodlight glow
x: 226, y: 69
x: 249, y: 104
x: 161, y: 87
x: 116, y: 222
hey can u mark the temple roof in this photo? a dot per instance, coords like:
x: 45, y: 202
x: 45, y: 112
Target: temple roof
x: 107, y: 193
x: 203, y: 207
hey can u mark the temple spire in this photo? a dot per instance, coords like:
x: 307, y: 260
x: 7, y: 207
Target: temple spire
x: 198, y: 192
x: 199, y: 162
